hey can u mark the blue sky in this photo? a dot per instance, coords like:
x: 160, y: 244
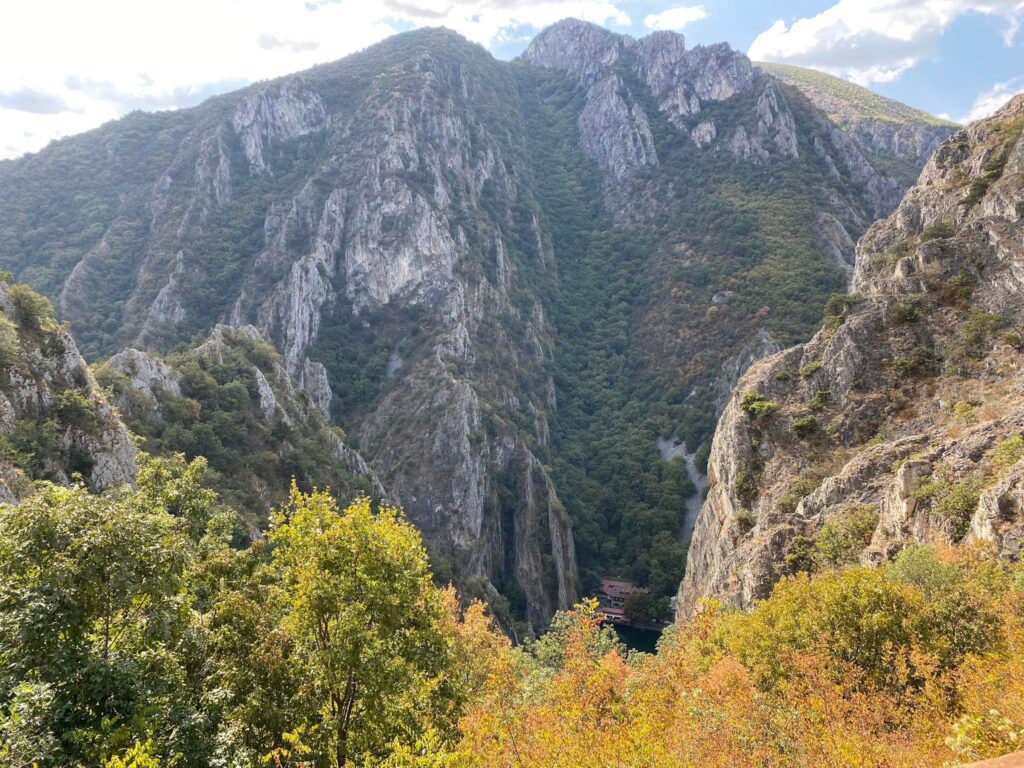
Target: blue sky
x: 67, y: 65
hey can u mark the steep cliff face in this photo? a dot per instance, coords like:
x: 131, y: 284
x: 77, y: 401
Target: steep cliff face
x: 902, y: 420
x: 684, y: 135
x: 891, y: 132
x: 55, y: 424
x: 505, y: 281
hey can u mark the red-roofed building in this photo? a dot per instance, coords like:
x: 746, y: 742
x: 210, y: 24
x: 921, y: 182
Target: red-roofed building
x: 611, y: 599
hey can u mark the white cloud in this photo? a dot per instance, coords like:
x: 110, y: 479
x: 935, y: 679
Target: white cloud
x: 874, y: 41
x: 991, y: 100
x: 105, y: 57
x: 675, y: 18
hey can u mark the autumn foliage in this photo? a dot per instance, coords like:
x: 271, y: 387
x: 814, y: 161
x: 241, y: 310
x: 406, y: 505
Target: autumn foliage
x: 136, y: 632
x: 916, y: 663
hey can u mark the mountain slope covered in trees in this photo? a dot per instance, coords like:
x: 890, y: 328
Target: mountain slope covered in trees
x: 511, y: 284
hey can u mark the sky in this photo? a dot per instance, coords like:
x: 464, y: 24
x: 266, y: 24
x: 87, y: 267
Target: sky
x: 70, y: 65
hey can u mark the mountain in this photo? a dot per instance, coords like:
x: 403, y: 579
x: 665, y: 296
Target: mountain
x: 523, y: 290
x: 55, y: 423
x: 231, y: 401
x: 898, y: 137
x: 902, y: 419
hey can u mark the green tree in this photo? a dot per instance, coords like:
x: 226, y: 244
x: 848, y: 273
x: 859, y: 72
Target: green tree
x: 97, y: 638
x: 30, y: 308
x: 368, y: 629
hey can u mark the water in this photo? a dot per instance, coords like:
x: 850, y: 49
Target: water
x: 645, y: 640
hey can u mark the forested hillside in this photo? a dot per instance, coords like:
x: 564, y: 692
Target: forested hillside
x: 522, y: 290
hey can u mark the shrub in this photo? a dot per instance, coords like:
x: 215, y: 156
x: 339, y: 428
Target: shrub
x: 76, y: 409
x: 952, y: 502
x: 810, y: 369
x: 820, y: 400
x: 956, y: 291
x: 803, y: 486
x: 748, y: 483
x: 859, y: 617
x: 839, y: 304
x: 745, y: 518
x: 907, y: 311
x: 804, y: 425
x: 922, y: 361
x: 31, y: 308
x: 757, y: 405
x: 939, y: 230
x: 840, y: 542
x: 964, y: 411
x: 1008, y: 452
x: 1014, y: 339
x: 894, y: 254
x: 800, y: 557
x: 976, y: 333
x: 9, y: 344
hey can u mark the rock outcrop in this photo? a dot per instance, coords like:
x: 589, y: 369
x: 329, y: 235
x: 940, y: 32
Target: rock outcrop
x: 905, y: 409
x: 614, y: 127
x: 55, y: 422
x: 157, y: 395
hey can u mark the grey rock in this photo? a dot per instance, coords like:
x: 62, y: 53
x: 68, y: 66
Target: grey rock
x: 886, y: 426
x: 277, y: 112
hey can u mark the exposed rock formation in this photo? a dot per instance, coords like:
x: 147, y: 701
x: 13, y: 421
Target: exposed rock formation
x: 614, y: 128
x: 54, y: 421
x: 881, y: 125
x: 153, y: 394
x: 906, y: 408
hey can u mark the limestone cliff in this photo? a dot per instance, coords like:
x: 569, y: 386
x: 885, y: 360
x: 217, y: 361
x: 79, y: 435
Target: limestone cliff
x: 902, y: 420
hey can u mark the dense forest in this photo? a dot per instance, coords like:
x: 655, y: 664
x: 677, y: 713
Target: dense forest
x: 132, y: 633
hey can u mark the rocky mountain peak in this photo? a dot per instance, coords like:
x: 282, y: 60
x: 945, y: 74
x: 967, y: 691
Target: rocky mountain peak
x: 583, y: 50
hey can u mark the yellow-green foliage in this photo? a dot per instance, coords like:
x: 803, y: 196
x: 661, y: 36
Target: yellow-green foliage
x: 810, y: 369
x: 134, y: 636
x: 1008, y: 452
x: 896, y: 666
x: 757, y: 405
x: 31, y: 309
x: 804, y: 426
x: 841, y: 541
x: 953, y: 501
